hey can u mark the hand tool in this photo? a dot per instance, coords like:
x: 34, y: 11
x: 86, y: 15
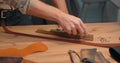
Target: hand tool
x: 100, y: 58
x: 63, y: 33
x: 88, y: 55
x: 74, y: 57
x: 92, y: 56
x: 87, y: 60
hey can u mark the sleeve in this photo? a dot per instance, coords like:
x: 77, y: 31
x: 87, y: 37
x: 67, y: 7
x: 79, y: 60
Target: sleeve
x: 22, y: 5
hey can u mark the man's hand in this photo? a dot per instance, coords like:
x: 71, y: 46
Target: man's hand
x: 72, y: 25
x: 69, y: 23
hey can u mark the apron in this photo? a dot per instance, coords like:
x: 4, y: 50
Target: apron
x: 17, y: 18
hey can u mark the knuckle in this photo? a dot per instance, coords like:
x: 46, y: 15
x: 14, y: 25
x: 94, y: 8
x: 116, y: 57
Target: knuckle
x: 77, y: 24
x: 68, y: 30
x: 73, y: 27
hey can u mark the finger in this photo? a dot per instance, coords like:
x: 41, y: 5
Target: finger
x: 83, y: 27
x: 74, y: 29
x: 80, y: 31
x: 67, y: 28
x: 69, y: 31
x: 59, y: 27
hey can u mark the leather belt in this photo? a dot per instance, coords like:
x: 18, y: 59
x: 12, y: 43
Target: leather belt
x: 107, y: 45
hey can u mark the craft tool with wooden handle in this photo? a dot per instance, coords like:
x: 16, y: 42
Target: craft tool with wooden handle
x: 74, y: 57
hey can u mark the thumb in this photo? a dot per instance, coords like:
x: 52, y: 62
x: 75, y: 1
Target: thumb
x: 59, y: 27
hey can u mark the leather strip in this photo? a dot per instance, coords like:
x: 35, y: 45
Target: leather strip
x: 33, y: 48
x: 107, y: 45
x: 11, y: 59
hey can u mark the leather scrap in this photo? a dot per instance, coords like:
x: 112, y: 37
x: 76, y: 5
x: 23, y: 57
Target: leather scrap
x: 14, y: 60
x: 107, y: 45
x: 33, y: 48
x: 11, y: 59
x: 14, y: 55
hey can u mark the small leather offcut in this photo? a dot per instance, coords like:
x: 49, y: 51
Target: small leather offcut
x: 33, y: 48
x: 14, y: 60
x: 11, y: 59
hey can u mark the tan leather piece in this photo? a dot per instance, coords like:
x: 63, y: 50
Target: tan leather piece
x: 107, y: 45
x: 37, y: 47
x: 33, y: 48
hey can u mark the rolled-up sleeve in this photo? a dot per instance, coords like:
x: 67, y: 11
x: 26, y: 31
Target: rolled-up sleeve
x: 22, y: 5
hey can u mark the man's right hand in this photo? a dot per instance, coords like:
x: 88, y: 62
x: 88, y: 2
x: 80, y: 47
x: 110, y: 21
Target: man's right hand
x: 69, y: 23
x: 73, y: 25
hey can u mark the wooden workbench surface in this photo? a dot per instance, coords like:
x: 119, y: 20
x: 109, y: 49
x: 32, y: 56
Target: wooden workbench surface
x: 58, y: 51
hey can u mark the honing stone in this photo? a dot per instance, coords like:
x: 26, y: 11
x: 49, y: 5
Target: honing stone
x: 62, y: 33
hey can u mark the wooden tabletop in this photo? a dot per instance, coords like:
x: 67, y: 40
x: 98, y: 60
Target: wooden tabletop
x: 58, y: 50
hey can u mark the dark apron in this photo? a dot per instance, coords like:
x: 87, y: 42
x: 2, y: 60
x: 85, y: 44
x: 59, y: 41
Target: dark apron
x: 17, y: 18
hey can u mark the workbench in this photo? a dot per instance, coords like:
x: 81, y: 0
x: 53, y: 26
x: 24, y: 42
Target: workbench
x: 58, y: 50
